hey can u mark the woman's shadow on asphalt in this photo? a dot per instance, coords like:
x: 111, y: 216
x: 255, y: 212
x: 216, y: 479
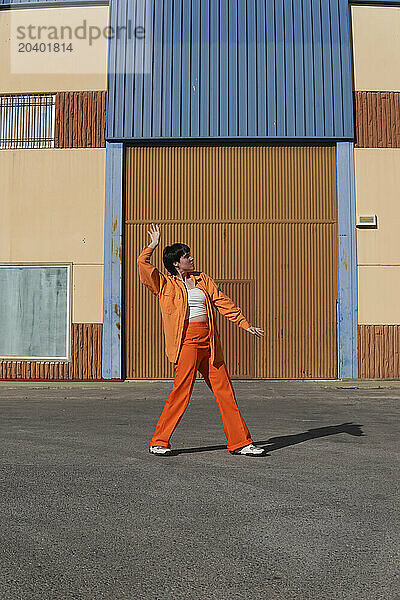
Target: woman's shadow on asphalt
x: 275, y: 443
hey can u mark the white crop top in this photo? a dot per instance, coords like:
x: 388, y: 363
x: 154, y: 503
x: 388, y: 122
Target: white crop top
x: 196, y: 303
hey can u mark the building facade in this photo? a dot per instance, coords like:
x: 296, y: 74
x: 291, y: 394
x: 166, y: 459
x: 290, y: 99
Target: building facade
x: 376, y: 29
x: 52, y: 173
x: 259, y: 132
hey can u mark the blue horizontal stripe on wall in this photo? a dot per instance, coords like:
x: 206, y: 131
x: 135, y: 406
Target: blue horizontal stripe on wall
x: 231, y: 69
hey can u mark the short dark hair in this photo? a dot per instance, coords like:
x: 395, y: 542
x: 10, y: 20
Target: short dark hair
x: 173, y: 254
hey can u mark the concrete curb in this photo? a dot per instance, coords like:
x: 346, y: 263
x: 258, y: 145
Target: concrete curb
x: 319, y: 383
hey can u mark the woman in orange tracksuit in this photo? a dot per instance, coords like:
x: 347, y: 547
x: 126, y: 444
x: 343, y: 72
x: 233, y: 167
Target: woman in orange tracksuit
x: 187, y: 298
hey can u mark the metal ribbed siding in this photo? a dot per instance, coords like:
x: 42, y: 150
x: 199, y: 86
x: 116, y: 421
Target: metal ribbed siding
x: 233, y: 68
x: 379, y: 351
x: 85, y: 364
x: 377, y: 119
x: 80, y: 119
x: 266, y: 215
x: 239, y: 349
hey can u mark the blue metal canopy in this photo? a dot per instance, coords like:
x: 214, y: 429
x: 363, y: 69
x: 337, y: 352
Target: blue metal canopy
x: 230, y: 69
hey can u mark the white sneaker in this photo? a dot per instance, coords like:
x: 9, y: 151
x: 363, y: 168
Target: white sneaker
x: 161, y: 450
x: 249, y: 450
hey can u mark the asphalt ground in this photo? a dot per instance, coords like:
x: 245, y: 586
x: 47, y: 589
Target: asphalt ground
x: 88, y: 513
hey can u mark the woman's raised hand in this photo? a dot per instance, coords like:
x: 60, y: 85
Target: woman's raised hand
x: 255, y: 331
x: 154, y: 234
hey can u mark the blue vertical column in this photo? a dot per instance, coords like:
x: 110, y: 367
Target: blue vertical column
x: 347, y: 313
x: 112, y: 283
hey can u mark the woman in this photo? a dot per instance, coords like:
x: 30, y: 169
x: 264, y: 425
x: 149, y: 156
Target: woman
x: 187, y: 298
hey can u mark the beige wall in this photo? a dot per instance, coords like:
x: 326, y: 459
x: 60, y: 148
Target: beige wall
x: 378, y: 295
x: 377, y: 175
x: 83, y: 69
x: 53, y: 211
x: 376, y: 51
x: 376, y: 47
x: 87, y: 305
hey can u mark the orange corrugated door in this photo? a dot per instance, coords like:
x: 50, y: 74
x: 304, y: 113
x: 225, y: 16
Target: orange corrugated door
x: 261, y: 220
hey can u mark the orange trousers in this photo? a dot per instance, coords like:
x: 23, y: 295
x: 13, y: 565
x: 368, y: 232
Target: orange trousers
x: 194, y: 356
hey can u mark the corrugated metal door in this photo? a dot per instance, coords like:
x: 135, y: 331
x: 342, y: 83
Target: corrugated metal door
x: 261, y: 220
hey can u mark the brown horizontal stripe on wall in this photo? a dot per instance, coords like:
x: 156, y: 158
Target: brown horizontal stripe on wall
x: 377, y: 116
x: 379, y: 351
x: 86, y: 345
x: 80, y: 119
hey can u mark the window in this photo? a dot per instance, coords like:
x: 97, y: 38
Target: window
x: 27, y: 121
x: 35, y: 312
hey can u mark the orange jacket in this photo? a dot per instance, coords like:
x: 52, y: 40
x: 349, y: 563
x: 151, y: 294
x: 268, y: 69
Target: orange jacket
x: 172, y: 294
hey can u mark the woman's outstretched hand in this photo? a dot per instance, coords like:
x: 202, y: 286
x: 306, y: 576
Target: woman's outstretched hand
x: 154, y: 234
x: 255, y: 331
